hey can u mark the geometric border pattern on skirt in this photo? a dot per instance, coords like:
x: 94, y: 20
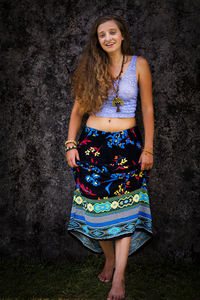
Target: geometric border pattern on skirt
x: 117, y: 216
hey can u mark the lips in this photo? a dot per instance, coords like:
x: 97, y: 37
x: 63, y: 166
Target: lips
x: 109, y: 44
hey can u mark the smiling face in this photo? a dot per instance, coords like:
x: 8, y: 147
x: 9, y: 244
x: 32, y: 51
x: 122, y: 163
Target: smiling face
x: 109, y: 36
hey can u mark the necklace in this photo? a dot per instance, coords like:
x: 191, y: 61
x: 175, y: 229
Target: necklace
x: 117, y: 101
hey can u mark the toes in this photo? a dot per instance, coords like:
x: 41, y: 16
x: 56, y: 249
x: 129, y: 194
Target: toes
x: 110, y: 297
x: 101, y: 278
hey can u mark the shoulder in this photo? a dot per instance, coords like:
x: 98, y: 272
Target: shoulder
x: 142, y: 66
x: 142, y: 62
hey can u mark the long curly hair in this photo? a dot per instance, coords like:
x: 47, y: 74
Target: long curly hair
x: 92, y: 80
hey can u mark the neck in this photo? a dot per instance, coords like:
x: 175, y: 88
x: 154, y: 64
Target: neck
x: 115, y: 58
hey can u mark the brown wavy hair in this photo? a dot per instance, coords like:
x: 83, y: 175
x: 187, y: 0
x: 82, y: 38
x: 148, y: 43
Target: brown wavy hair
x: 92, y: 79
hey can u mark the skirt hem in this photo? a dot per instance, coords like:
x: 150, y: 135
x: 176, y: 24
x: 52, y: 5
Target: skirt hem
x: 139, y: 238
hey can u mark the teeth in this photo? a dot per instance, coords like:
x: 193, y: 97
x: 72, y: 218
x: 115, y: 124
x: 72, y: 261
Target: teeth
x: 109, y: 44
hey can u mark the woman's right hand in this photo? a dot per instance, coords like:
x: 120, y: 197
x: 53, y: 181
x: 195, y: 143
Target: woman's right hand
x: 71, y: 156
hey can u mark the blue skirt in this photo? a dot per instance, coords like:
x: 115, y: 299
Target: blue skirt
x: 111, y: 198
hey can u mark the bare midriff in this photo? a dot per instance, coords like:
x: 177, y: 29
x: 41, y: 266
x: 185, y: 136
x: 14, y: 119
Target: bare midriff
x: 110, y: 124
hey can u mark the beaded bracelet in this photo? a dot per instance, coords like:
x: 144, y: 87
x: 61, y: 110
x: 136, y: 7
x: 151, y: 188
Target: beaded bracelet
x: 147, y: 151
x: 69, y: 148
x: 70, y: 141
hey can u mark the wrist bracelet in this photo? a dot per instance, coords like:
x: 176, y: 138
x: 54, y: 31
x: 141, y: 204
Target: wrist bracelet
x: 70, y: 141
x: 69, y: 148
x: 147, y: 151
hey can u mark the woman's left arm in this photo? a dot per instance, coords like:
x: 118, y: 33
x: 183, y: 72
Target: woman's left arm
x: 145, y: 85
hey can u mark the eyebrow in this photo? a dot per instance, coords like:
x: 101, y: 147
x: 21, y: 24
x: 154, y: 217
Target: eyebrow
x: 109, y: 29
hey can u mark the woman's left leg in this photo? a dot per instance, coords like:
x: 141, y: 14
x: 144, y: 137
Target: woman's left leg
x: 121, y: 256
x: 106, y: 274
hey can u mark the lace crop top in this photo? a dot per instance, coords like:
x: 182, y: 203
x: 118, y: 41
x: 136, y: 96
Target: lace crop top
x: 128, y: 91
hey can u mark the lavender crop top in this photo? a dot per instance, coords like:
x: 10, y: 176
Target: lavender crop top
x: 128, y: 91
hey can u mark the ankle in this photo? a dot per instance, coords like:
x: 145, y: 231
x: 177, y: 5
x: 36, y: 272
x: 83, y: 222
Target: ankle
x: 110, y: 259
x: 119, y: 276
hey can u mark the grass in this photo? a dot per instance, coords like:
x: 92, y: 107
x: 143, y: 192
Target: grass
x: 77, y: 280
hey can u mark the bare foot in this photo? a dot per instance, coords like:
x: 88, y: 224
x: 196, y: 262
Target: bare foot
x: 117, y: 291
x: 106, y: 274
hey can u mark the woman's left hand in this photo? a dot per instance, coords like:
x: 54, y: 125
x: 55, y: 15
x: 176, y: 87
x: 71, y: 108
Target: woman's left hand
x: 146, y: 160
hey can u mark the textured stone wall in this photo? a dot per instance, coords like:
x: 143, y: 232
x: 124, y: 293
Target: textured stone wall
x: 41, y: 42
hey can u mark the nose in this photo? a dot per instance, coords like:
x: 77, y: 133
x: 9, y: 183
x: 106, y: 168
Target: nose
x: 108, y: 37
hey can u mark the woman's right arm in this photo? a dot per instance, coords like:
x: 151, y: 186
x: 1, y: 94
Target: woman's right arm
x: 74, y: 127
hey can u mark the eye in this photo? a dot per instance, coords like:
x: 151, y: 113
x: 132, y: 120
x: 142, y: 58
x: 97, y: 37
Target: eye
x: 112, y: 32
x: 101, y: 35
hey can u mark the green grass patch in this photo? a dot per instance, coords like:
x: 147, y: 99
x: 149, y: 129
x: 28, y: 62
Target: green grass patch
x: 77, y: 280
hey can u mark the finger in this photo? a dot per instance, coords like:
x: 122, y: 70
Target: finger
x: 147, y: 167
x: 74, y: 163
x: 73, y: 166
x: 71, y: 163
x: 143, y: 167
x: 77, y: 155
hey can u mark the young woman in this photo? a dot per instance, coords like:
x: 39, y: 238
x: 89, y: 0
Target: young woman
x: 110, y: 164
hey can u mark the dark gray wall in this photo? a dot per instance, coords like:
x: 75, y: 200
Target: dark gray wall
x: 41, y: 44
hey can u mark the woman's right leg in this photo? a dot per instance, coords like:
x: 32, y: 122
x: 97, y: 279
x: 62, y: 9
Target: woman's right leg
x: 117, y: 291
x: 106, y: 274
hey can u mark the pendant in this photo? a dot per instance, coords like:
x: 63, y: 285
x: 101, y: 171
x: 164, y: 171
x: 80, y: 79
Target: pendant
x: 117, y: 101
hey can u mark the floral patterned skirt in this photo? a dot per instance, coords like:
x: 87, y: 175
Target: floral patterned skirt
x: 110, y: 198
